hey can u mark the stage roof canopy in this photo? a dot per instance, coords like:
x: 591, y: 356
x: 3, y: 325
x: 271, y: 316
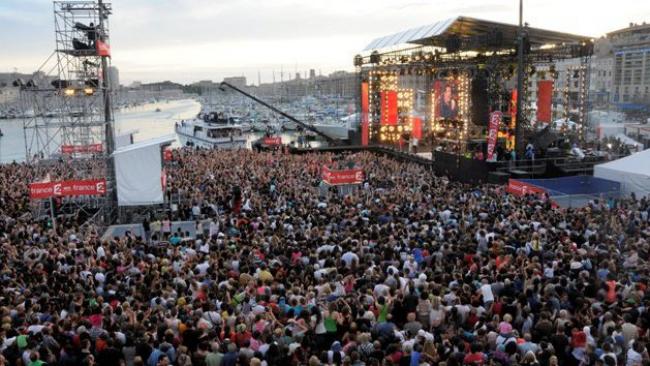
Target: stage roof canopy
x: 437, y: 33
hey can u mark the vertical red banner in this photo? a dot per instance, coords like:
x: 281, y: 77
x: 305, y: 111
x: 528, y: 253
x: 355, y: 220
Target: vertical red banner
x: 388, y: 107
x: 365, y: 109
x: 416, y: 127
x: 495, y: 120
x: 513, y: 109
x: 544, y: 100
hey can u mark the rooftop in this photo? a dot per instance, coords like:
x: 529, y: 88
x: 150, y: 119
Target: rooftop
x: 467, y: 29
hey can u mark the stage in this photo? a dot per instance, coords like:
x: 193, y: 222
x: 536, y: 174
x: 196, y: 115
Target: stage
x: 453, y: 85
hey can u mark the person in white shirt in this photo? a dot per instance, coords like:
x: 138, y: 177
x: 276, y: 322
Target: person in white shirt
x: 486, y: 292
x: 349, y: 257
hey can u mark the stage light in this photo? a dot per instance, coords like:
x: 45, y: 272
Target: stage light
x: 358, y: 60
x: 69, y: 92
x: 374, y: 57
x: 89, y: 91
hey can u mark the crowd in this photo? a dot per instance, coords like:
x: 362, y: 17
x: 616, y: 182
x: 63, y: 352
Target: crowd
x: 408, y: 269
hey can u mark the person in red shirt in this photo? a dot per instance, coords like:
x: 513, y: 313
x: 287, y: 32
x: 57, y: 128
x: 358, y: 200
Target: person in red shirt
x: 475, y: 357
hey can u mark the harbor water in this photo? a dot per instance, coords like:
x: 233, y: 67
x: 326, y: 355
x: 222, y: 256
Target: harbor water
x: 149, y: 120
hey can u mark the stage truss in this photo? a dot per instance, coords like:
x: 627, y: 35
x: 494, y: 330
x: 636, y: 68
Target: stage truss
x: 74, y: 110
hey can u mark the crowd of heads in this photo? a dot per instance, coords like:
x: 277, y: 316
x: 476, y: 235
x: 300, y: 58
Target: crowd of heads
x: 282, y: 269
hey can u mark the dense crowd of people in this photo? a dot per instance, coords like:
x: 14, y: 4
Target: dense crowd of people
x: 405, y: 269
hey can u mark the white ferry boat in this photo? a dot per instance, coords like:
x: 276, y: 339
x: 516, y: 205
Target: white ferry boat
x: 207, y: 135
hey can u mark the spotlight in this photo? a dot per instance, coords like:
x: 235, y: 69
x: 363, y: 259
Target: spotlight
x: 374, y: 57
x: 358, y: 60
x: 69, y: 92
x: 89, y: 91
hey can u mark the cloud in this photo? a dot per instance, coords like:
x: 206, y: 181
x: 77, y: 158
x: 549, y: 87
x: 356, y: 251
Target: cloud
x: 193, y: 38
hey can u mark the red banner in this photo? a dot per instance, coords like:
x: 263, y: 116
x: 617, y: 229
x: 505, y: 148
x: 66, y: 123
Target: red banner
x: 163, y: 179
x: 81, y: 149
x: 544, y: 100
x: 388, y: 107
x: 519, y: 188
x: 416, y: 127
x: 168, y: 155
x: 67, y: 188
x: 365, y: 110
x: 102, y: 48
x: 272, y: 141
x: 336, y: 177
x: 513, y: 109
x: 493, y: 130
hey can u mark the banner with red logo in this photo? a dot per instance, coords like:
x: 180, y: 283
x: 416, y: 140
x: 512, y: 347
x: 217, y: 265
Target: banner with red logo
x: 519, y: 188
x: 493, y: 130
x: 81, y: 149
x: 365, y: 110
x: 67, y: 188
x: 272, y: 141
x: 544, y: 100
x: 388, y: 107
x: 338, y: 177
x: 102, y: 48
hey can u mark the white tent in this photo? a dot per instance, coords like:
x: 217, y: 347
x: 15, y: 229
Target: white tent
x: 633, y: 172
x: 138, y: 172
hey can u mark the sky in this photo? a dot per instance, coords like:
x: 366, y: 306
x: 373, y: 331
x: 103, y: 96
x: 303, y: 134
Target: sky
x: 191, y: 40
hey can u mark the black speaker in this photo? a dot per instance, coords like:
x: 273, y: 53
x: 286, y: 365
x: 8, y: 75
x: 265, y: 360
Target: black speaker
x: 374, y: 57
x: 479, y: 98
x: 452, y: 44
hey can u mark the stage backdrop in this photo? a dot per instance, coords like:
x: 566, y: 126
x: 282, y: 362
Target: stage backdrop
x: 544, y: 100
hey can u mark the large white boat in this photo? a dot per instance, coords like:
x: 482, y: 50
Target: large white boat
x: 207, y: 135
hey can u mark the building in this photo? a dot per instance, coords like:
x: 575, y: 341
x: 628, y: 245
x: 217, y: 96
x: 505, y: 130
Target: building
x: 236, y: 81
x: 601, y: 80
x: 9, y: 95
x: 114, y: 78
x: 631, y: 74
x: 342, y: 84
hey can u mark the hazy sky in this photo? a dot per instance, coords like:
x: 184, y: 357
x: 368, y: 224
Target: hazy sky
x: 188, y: 40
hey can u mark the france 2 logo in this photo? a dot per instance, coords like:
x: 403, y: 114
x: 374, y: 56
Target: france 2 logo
x: 100, y: 187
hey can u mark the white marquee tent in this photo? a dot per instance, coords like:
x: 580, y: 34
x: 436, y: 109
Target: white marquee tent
x: 138, y: 172
x: 633, y: 172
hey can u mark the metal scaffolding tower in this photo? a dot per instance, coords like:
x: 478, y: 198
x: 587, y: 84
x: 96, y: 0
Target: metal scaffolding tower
x: 71, y: 117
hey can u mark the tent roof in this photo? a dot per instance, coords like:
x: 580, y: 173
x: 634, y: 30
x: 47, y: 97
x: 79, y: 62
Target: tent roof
x: 638, y: 163
x: 163, y: 140
x: 435, y: 34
